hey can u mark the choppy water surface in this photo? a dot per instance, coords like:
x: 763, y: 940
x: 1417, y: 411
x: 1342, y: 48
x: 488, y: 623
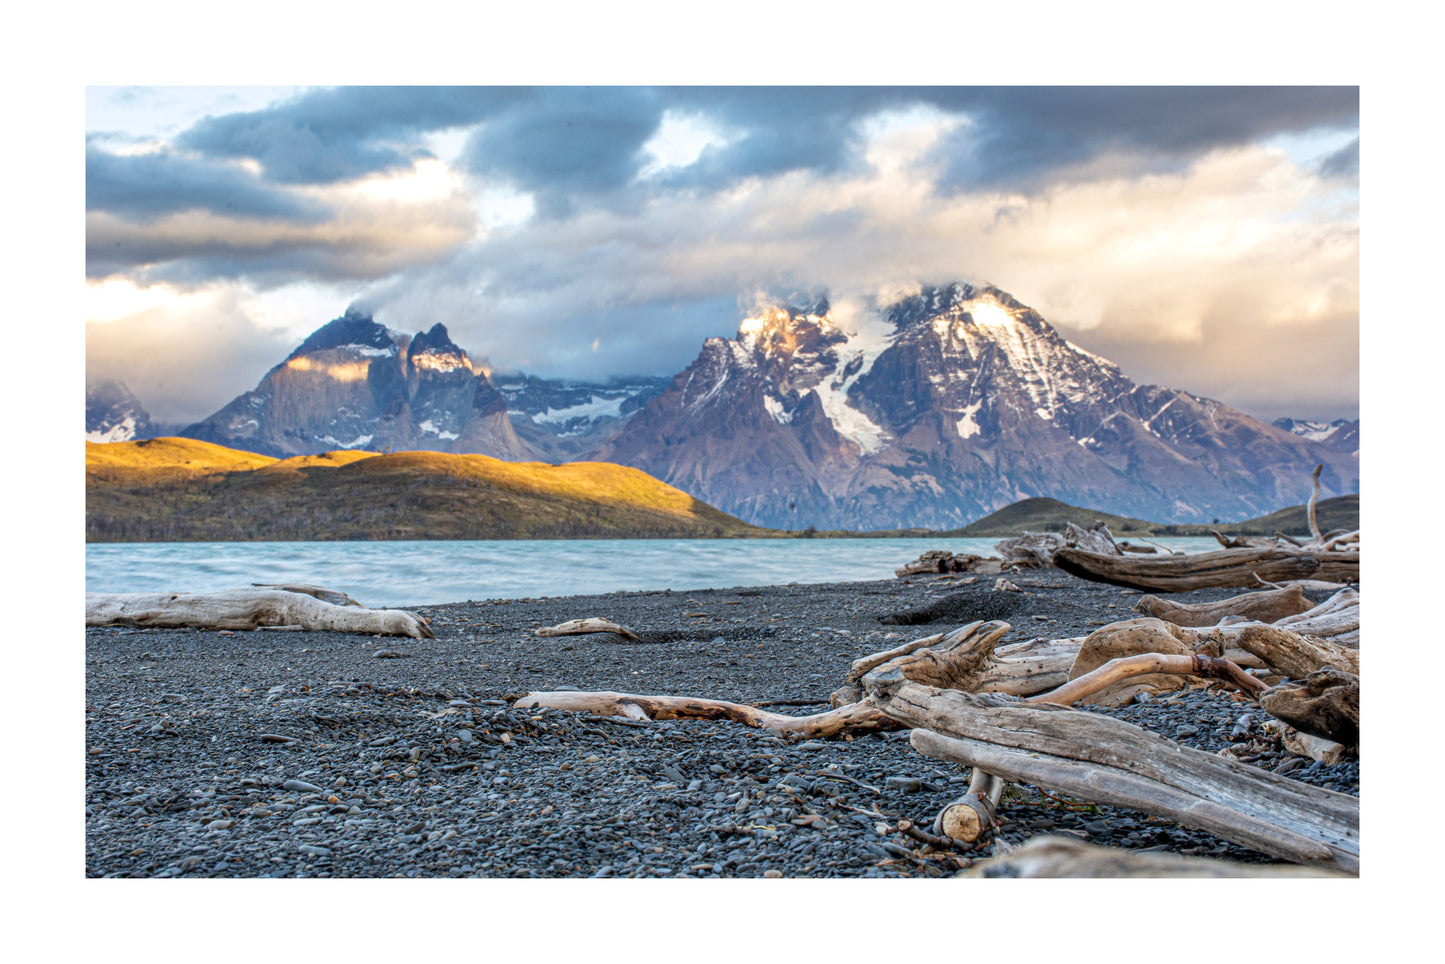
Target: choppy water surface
x: 432, y: 572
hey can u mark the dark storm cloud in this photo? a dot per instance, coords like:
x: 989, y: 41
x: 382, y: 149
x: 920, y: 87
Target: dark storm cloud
x: 1344, y: 162
x: 142, y: 187
x: 342, y: 133
x: 1022, y: 134
x: 563, y: 143
x: 573, y: 146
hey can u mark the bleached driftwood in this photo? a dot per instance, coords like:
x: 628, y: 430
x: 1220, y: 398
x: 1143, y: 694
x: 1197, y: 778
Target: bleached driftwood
x: 317, y: 592
x: 1043, y: 857
x: 1336, y: 619
x: 1223, y: 568
x: 1263, y: 607
x: 1291, y: 654
x: 1109, y: 761
x: 1318, y: 748
x: 1037, y: 549
x: 1313, y: 585
x: 1315, y: 537
x: 972, y: 815
x: 856, y: 717
x: 1326, y: 703
x: 1137, y: 637
x: 942, y: 561
x: 1125, y: 668
x: 249, y: 607
x: 581, y: 627
x: 966, y: 658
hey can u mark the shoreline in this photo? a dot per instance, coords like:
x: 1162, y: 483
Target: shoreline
x: 321, y: 754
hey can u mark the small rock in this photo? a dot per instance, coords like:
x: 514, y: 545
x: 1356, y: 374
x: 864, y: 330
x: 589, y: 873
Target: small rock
x: 314, y: 850
x: 300, y: 786
x: 387, y: 654
x: 906, y: 784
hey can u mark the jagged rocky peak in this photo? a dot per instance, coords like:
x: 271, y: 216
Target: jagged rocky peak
x: 781, y: 330
x: 434, y: 350
x: 113, y: 413
x: 355, y: 329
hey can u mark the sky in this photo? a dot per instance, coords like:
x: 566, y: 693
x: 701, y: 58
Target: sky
x: 1203, y: 238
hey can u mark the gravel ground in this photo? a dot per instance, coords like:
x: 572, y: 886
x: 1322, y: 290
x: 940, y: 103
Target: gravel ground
x: 306, y: 754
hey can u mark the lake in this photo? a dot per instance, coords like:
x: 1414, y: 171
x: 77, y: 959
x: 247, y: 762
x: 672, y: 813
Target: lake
x: 394, y: 574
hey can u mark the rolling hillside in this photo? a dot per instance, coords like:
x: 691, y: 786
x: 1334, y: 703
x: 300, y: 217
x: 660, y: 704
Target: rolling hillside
x: 1049, y: 515
x: 182, y: 490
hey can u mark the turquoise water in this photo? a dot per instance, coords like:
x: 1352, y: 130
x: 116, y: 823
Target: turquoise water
x: 432, y: 572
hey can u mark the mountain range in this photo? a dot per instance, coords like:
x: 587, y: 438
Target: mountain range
x: 930, y: 411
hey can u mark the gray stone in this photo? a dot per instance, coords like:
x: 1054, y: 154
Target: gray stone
x: 301, y: 786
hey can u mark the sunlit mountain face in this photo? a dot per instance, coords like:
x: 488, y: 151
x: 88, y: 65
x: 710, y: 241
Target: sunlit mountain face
x: 942, y: 407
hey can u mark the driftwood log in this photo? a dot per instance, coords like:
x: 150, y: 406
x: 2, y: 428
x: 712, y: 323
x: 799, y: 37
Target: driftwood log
x: 1109, y: 761
x: 858, y: 717
x: 1036, y: 550
x: 1060, y: 857
x: 581, y: 627
x: 1326, y: 703
x: 942, y: 561
x: 966, y: 658
x: 1290, y: 654
x: 1318, y: 748
x: 1239, y: 568
x: 1337, y: 619
x: 250, y: 607
x: 1137, y: 637
x: 1263, y: 607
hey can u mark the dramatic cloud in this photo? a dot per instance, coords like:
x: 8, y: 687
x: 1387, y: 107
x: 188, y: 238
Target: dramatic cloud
x: 185, y: 358
x: 142, y: 187
x: 605, y: 231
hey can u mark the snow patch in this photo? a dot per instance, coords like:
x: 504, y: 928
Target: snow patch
x: 122, y: 431
x: 355, y: 443
x: 371, y: 351
x: 874, y: 336
x: 598, y: 406
x: 967, y: 426
x: 775, y: 409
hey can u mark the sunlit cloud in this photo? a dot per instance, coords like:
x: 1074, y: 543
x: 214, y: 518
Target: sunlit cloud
x: 1194, y: 236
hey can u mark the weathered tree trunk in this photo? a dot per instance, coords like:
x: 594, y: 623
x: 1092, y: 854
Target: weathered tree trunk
x: 970, y: 817
x: 1315, y: 537
x: 856, y: 717
x: 1264, y: 607
x: 1337, y: 619
x: 942, y: 561
x: 1206, y: 570
x: 1326, y: 703
x: 1290, y: 654
x: 250, y: 607
x: 1108, y: 761
x: 1318, y: 748
x: 1124, y: 668
x: 579, y: 627
x: 1060, y: 857
x: 1036, y: 550
x: 1136, y: 637
x: 325, y: 595
x: 966, y: 659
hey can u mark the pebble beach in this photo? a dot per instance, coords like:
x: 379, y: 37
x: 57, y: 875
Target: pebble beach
x: 312, y: 754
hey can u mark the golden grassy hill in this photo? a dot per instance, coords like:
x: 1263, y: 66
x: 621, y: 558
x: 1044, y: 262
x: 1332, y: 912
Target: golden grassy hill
x: 183, y: 490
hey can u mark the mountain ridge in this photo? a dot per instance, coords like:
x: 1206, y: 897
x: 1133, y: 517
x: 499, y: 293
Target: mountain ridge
x: 922, y: 413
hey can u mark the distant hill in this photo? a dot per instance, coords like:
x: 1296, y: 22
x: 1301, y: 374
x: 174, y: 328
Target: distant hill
x: 1049, y: 515
x: 182, y: 490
